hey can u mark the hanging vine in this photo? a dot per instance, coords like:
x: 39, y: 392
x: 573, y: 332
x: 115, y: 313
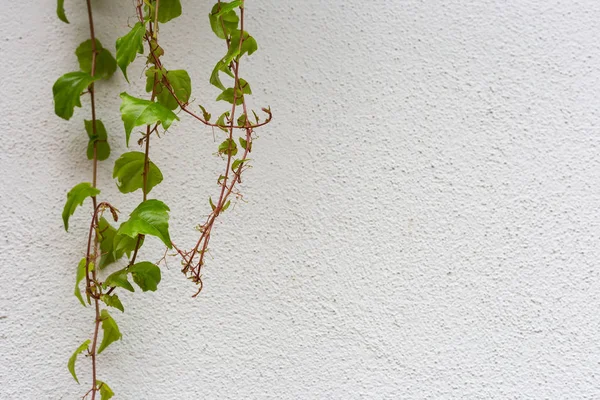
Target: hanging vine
x: 169, y: 90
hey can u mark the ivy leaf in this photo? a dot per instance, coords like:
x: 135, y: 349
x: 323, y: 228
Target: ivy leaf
x: 78, y: 279
x: 129, y: 170
x: 237, y: 163
x: 105, y: 62
x: 151, y: 217
x: 182, y: 86
x: 71, y: 364
x: 226, y: 206
x: 129, y: 46
x: 105, y: 392
x: 227, y: 7
x: 228, y: 147
x: 106, y: 236
x: 168, y: 10
x: 112, y: 245
x: 111, y: 330
x: 155, y: 52
x: 146, y: 275
x: 67, y: 92
x: 60, y: 11
x: 227, y: 95
x: 241, y: 121
x: 222, y: 66
x: 150, y: 72
x: 221, y: 121
x: 75, y: 198
x: 224, y: 16
x: 136, y: 112
x: 244, y: 144
x: 249, y: 45
x: 112, y: 300
x: 102, y: 146
x: 205, y: 114
x: 125, y: 244
x: 244, y: 86
x: 119, y: 279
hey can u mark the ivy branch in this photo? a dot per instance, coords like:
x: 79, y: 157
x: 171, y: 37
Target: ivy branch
x: 134, y: 170
x: 227, y: 25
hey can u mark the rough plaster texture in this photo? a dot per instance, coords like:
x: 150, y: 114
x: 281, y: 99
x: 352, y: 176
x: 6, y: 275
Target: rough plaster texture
x: 422, y: 218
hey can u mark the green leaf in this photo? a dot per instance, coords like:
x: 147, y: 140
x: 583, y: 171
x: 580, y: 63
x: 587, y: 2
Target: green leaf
x: 223, y: 16
x: 205, y: 114
x: 182, y: 87
x: 228, y: 147
x: 67, y: 92
x: 146, y: 275
x: 155, y: 52
x: 222, y: 66
x: 221, y: 121
x: 150, y: 72
x: 249, y: 45
x: 75, y: 198
x: 119, y: 279
x: 112, y: 245
x: 168, y: 10
x: 105, y: 62
x: 111, y: 330
x: 60, y: 11
x: 244, y: 86
x: 71, y: 364
x: 125, y: 244
x: 227, y: 95
x: 78, y: 279
x: 129, y: 170
x: 237, y: 163
x: 129, y: 46
x: 106, y: 236
x: 227, y: 7
x: 212, y: 205
x: 241, y: 121
x: 243, y: 143
x: 112, y: 300
x: 136, y: 112
x: 151, y: 217
x: 102, y: 146
x: 226, y: 206
x: 105, y: 392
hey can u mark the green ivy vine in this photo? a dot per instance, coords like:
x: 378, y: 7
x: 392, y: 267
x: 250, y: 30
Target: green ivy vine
x: 169, y: 95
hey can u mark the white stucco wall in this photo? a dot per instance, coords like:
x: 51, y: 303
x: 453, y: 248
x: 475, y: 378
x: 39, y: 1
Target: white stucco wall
x: 422, y: 218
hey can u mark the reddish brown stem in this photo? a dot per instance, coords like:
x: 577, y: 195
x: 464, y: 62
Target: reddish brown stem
x: 94, y: 204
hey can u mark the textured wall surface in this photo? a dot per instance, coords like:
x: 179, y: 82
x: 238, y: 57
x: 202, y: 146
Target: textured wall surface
x: 422, y: 219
